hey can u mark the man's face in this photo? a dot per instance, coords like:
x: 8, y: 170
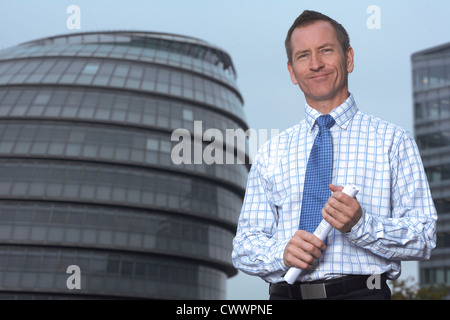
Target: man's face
x: 319, y: 65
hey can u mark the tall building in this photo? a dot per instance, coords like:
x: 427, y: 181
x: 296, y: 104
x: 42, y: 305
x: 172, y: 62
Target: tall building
x: 87, y: 178
x: 431, y: 87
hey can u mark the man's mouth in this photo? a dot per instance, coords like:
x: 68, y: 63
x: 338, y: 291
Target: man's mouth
x: 320, y: 76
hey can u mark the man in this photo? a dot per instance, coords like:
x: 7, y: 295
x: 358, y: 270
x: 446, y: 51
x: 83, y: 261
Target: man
x: 391, y: 219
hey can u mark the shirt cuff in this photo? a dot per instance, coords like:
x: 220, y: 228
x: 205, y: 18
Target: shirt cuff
x: 357, y: 231
x: 279, y: 255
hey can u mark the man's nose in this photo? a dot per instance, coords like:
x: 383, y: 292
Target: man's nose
x: 316, y: 63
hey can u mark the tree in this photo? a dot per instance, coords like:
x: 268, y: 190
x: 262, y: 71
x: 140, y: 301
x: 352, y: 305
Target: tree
x: 409, y: 290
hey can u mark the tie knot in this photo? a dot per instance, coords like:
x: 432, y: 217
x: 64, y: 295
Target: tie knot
x: 325, y: 121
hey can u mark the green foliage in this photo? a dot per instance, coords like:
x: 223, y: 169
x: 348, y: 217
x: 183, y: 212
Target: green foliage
x: 409, y: 290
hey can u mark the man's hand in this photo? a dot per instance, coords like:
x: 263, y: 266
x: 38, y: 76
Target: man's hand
x: 341, y: 210
x: 303, y: 250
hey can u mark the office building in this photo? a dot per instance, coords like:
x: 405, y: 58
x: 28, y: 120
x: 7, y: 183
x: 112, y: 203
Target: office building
x: 87, y: 178
x: 431, y: 87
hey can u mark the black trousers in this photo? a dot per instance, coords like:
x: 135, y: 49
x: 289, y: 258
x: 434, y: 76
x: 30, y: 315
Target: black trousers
x: 365, y: 293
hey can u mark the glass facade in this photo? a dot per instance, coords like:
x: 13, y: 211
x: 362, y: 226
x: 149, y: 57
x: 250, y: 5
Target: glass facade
x: 431, y: 86
x: 87, y: 177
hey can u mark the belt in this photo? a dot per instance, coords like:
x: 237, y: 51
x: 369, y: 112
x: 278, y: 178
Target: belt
x: 321, y: 289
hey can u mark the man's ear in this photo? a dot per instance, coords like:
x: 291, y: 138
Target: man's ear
x: 350, y: 61
x: 292, y: 73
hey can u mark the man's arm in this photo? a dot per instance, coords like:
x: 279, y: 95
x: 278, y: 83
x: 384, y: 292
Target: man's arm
x: 303, y: 250
x: 409, y: 233
x: 255, y: 249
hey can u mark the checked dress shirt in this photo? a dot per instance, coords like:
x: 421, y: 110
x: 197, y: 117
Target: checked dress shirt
x: 399, y: 217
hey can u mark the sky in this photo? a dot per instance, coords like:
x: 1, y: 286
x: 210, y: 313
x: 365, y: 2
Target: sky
x: 253, y: 33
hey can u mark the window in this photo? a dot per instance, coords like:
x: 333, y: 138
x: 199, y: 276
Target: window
x: 433, y: 109
x: 90, y: 100
x: 136, y: 72
x: 42, y: 98
x: 75, y: 67
x: 45, y: 66
x: 4, y: 67
x: 436, y: 73
x: 26, y: 98
x: 75, y: 98
x: 58, y: 98
x: 188, y: 115
x: 152, y: 144
x: 11, y: 97
x: 163, y: 81
x: 445, y: 107
x: 420, y: 78
x: 121, y: 71
x: 418, y: 111
x: 15, y: 67
x: 59, y: 67
x: 90, y: 68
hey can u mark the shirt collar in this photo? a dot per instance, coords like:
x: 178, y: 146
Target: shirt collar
x: 341, y: 114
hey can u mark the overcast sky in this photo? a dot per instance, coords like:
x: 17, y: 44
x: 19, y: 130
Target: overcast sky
x: 253, y: 33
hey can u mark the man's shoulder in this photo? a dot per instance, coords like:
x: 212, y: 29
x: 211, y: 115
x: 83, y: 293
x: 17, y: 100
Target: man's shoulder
x: 279, y: 145
x: 378, y: 125
x: 392, y: 136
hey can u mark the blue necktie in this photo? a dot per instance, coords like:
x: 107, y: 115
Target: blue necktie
x: 318, y: 176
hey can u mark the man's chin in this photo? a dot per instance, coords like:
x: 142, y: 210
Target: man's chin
x: 319, y: 96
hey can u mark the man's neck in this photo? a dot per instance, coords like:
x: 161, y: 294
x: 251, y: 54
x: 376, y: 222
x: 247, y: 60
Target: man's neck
x: 326, y: 106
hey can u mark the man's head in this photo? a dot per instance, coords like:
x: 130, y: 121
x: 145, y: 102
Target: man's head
x: 309, y: 17
x: 320, y: 59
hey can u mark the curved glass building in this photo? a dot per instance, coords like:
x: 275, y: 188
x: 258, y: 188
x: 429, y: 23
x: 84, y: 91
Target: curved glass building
x: 431, y: 73
x: 86, y: 172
